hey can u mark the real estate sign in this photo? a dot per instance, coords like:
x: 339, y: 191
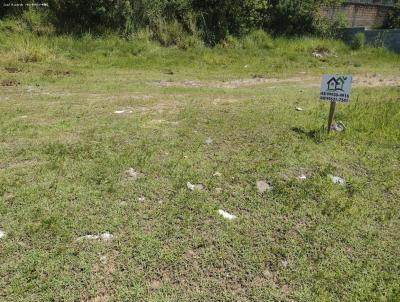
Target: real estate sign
x: 336, y: 88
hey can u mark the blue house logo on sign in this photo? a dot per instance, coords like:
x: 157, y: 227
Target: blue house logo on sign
x: 336, y: 88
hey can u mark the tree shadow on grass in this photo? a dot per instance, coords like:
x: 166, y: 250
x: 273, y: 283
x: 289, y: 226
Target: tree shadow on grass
x: 316, y: 135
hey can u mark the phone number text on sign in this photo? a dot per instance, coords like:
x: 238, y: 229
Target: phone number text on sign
x: 334, y: 97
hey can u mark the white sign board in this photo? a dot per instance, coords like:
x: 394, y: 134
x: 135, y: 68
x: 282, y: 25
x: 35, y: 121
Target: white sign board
x: 336, y: 88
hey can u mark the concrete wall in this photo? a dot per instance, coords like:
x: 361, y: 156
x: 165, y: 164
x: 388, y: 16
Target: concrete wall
x: 359, y: 14
x: 388, y: 38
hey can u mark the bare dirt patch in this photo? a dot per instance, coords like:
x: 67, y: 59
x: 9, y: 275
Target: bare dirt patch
x: 51, y: 72
x: 12, y: 69
x: 309, y: 81
x: 239, y: 83
x: 375, y: 80
x: 10, y: 82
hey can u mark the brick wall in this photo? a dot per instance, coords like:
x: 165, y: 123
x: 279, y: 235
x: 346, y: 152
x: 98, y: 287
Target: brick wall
x: 357, y: 14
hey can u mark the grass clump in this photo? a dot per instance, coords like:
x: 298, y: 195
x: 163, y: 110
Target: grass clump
x: 358, y: 41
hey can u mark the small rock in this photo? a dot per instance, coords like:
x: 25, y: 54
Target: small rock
x: 196, y: 187
x: 105, y: 237
x: 88, y: 237
x: 299, y: 109
x: 122, y: 111
x: 209, y: 141
x: 103, y: 259
x: 133, y: 174
x: 317, y: 55
x: 338, y: 127
x: 263, y: 186
x: 302, y: 177
x: 218, y: 190
x: 217, y: 174
x: 246, y: 66
x: 2, y: 234
x: 226, y: 215
x: 337, y: 180
x: 141, y: 199
x: 285, y: 263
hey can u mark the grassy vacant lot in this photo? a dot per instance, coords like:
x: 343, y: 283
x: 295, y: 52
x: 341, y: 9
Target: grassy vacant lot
x: 64, y: 152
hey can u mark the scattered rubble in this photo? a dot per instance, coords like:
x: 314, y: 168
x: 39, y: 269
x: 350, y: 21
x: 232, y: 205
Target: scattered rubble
x: 196, y: 187
x: 226, y: 215
x: 263, y: 186
x: 133, y: 174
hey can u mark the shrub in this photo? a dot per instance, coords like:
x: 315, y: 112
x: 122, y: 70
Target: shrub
x: 170, y: 21
x: 393, y: 20
x: 257, y: 39
x: 358, y: 41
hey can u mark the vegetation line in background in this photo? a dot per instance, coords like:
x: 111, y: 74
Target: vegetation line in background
x: 171, y: 21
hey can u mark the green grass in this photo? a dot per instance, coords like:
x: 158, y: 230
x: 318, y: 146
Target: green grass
x: 64, y: 153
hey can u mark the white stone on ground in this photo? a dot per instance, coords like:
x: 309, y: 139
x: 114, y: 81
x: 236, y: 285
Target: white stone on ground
x: 337, y: 180
x: 263, y: 186
x: 226, y: 215
x: 217, y: 174
x: 195, y: 187
x: 209, y: 141
x: 302, y: 177
x: 122, y: 111
x: 299, y: 109
x: 141, y: 199
x: 338, y: 126
x: 317, y: 55
x: 105, y: 237
x: 133, y: 174
x: 2, y: 234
